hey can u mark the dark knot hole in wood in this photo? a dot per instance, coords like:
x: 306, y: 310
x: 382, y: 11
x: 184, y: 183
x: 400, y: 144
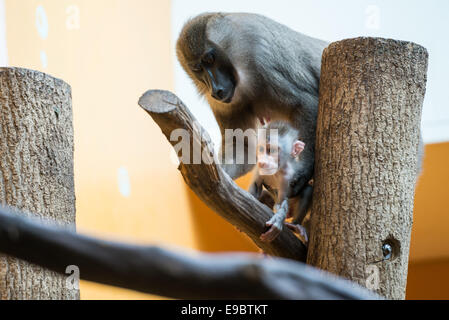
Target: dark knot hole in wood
x: 391, y: 248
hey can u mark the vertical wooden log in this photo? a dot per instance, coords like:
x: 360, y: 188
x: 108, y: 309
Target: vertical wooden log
x: 36, y: 170
x: 371, y: 97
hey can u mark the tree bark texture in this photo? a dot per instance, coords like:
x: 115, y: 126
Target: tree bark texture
x: 36, y: 170
x: 368, y: 132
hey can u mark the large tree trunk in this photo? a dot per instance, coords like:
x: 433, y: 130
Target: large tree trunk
x: 371, y: 96
x: 36, y: 170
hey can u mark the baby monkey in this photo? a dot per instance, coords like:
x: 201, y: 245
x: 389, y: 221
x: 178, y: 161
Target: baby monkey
x: 278, y: 153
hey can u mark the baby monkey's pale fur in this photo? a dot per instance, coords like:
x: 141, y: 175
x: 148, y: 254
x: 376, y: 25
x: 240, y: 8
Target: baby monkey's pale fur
x: 278, y: 150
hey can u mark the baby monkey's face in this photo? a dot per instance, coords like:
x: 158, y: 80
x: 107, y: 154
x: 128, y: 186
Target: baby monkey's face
x: 267, y: 158
x: 275, y: 154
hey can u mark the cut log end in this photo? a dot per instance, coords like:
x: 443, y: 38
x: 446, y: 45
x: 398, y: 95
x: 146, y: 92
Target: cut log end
x: 39, y: 76
x: 379, y: 43
x: 159, y: 101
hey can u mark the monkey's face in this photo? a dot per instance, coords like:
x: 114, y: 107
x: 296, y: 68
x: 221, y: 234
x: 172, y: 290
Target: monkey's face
x: 267, y: 158
x: 214, y: 70
x: 274, y: 153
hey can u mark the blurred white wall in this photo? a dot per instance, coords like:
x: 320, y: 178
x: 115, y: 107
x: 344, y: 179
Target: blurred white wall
x: 423, y: 22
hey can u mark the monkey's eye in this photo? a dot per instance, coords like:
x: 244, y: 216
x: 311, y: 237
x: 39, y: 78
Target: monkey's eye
x: 197, y: 67
x: 273, y: 150
x: 208, y: 58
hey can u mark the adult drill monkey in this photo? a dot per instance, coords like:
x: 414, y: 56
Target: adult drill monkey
x: 250, y: 67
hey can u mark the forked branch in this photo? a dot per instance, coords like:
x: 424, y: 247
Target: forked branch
x: 212, y: 185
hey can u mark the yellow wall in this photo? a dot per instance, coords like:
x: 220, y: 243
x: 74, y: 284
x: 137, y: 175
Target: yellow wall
x: 213, y: 233
x: 428, y: 279
x: 428, y: 276
x: 430, y: 235
x: 121, y: 49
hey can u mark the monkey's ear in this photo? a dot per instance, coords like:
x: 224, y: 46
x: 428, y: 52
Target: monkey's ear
x: 297, y: 148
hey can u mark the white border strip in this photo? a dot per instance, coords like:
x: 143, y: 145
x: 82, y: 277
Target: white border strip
x: 3, y: 45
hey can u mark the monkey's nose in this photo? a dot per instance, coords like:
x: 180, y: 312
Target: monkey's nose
x: 218, y: 94
x: 262, y: 165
